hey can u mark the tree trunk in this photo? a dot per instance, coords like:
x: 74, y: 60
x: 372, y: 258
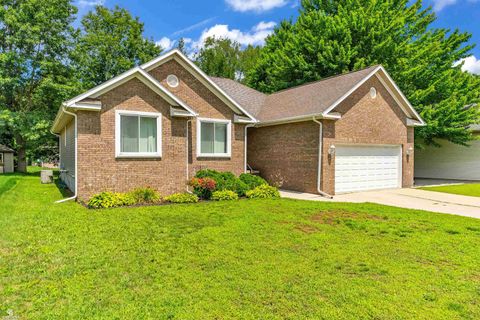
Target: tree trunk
x: 21, y: 154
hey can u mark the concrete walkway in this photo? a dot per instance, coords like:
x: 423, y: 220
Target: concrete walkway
x: 405, y: 198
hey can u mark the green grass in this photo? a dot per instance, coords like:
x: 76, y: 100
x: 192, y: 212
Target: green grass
x: 251, y: 259
x: 468, y: 189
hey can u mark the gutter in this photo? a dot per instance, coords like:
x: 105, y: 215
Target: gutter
x: 76, y: 161
x: 319, y: 169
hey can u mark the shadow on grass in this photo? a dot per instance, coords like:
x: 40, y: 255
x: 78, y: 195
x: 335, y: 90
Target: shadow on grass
x: 8, y: 185
x: 66, y: 193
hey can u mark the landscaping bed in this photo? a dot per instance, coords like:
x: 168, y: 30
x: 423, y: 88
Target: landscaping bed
x: 207, y: 185
x: 252, y: 259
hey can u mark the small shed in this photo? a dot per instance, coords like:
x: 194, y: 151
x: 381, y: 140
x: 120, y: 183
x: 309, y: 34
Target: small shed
x: 6, y: 159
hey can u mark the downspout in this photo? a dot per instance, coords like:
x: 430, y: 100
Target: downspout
x: 319, y: 169
x: 76, y: 161
x: 245, y: 152
x: 188, y: 149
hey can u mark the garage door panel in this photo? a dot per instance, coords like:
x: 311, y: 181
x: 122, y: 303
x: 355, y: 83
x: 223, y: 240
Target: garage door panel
x: 360, y: 168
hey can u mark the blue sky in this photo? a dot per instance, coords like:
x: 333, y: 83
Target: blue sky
x: 250, y: 21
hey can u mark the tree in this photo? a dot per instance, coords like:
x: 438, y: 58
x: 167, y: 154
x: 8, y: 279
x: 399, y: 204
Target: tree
x: 225, y: 58
x: 110, y: 42
x: 219, y: 57
x: 35, y: 39
x: 181, y: 46
x: 332, y: 37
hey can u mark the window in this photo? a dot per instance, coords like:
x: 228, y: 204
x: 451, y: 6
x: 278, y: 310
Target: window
x: 138, y: 134
x: 1, y: 158
x: 213, y: 138
x: 172, y: 81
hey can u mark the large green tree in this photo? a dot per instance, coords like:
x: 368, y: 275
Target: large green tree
x: 336, y: 36
x: 35, y: 39
x: 223, y: 57
x: 110, y: 42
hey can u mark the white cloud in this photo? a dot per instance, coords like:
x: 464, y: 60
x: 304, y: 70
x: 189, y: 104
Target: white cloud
x: 255, y: 5
x: 256, y: 36
x: 264, y: 26
x: 470, y: 64
x: 438, y: 5
x: 90, y: 3
x: 165, y: 43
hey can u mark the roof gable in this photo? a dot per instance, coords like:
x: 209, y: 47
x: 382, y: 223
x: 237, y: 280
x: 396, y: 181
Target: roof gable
x: 78, y: 102
x: 88, y: 100
x: 186, y: 63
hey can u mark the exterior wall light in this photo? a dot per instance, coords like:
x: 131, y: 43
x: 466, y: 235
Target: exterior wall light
x: 409, y: 151
x: 331, y: 150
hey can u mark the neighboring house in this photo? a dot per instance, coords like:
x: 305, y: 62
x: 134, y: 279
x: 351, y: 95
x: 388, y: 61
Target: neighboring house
x: 450, y: 161
x: 157, y: 124
x: 6, y: 159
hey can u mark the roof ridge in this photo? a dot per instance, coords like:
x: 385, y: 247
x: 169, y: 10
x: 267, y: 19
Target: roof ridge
x: 325, y: 79
x: 300, y: 85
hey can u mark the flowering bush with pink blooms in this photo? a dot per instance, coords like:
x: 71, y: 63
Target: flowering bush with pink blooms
x: 203, y: 187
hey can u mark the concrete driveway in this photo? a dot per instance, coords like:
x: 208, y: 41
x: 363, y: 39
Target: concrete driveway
x: 405, y: 198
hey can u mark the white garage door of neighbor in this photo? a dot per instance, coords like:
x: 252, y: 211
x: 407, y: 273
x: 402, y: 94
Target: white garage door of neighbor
x: 360, y: 168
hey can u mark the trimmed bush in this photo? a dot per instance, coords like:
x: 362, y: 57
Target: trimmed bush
x: 224, y: 181
x: 127, y: 199
x: 263, y: 192
x: 203, y: 187
x: 252, y: 181
x: 145, y: 195
x: 182, y: 198
x: 107, y: 200
x: 223, y: 195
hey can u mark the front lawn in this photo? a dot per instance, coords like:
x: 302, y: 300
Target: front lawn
x: 247, y: 259
x: 468, y: 189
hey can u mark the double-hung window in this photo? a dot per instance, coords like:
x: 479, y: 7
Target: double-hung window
x: 213, y: 138
x: 138, y: 134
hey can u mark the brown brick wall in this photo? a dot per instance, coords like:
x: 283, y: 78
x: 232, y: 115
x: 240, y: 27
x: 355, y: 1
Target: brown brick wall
x: 208, y: 105
x: 367, y: 121
x: 99, y: 170
x: 286, y: 155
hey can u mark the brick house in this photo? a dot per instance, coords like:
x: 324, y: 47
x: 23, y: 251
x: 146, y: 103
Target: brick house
x: 157, y: 124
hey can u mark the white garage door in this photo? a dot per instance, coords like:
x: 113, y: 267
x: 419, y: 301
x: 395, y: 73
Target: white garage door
x: 359, y: 168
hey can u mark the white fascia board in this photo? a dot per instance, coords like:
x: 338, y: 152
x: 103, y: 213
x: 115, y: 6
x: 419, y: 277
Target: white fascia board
x: 136, y: 72
x: 200, y: 75
x: 53, y: 129
x: 412, y: 109
x: 103, y: 86
x: 414, y: 123
x: 175, y: 112
x: 240, y: 119
x: 301, y: 118
x: 86, y: 106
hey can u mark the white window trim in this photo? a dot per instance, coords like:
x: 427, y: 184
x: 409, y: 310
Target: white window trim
x: 119, y: 154
x: 229, y: 138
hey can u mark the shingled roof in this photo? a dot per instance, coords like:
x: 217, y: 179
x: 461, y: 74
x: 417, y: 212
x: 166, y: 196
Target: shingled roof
x: 305, y: 100
x: 5, y: 149
x: 249, y: 98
